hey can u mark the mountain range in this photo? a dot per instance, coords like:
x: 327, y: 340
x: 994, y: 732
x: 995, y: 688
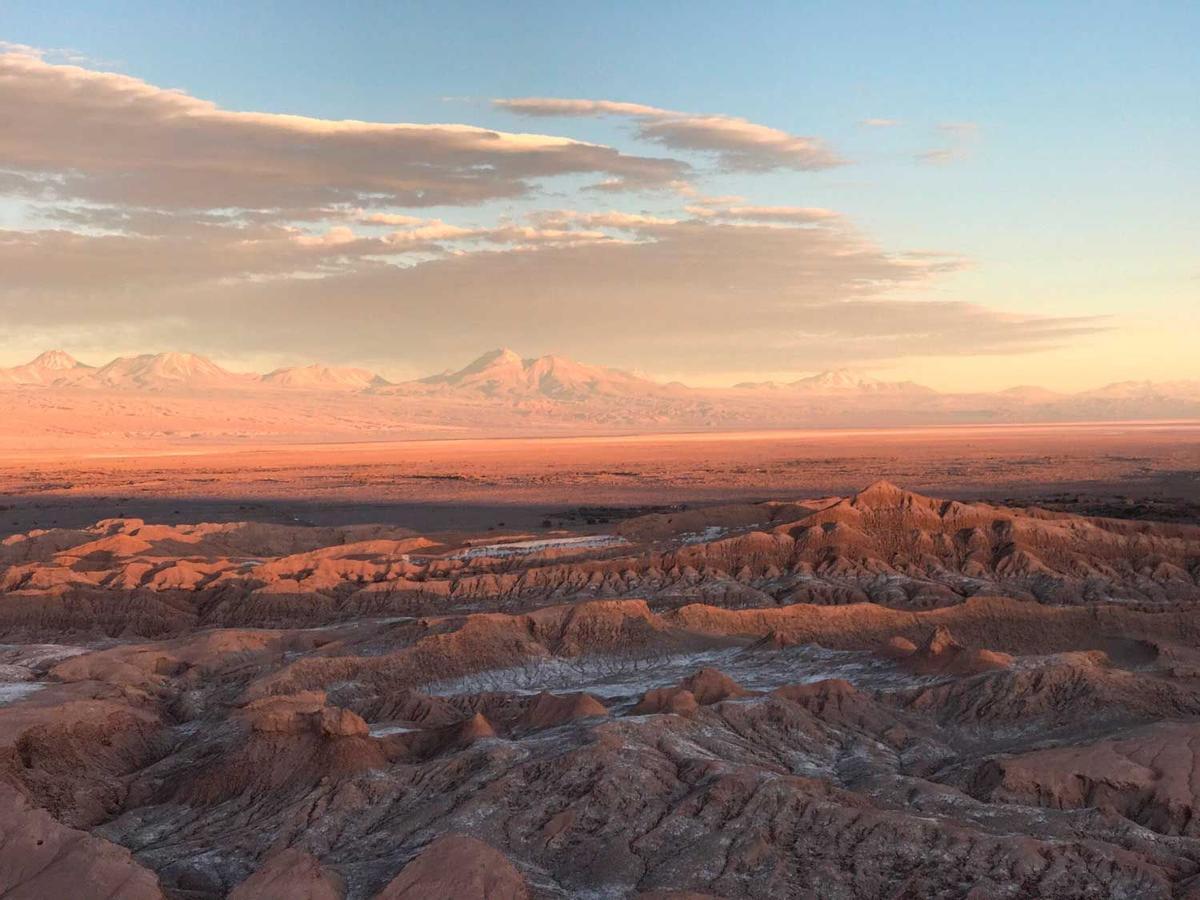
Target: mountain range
x: 839, y: 382
x: 504, y: 373
x: 174, y: 370
x: 176, y: 395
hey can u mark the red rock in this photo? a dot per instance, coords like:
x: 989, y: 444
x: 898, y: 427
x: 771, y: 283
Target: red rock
x: 548, y: 710
x: 459, y: 867
x: 42, y: 859
x: 712, y: 686
x: 291, y: 874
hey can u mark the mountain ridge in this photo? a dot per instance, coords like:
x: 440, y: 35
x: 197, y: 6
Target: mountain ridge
x: 49, y: 398
x: 503, y: 371
x: 839, y: 381
x: 48, y: 367
x: 172, y: 368
x: 316, y: 376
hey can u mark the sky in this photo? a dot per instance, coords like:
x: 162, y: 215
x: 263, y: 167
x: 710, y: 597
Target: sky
x: 971, y: 196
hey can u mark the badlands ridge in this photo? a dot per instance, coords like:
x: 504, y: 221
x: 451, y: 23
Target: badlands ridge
x: 880, y: 695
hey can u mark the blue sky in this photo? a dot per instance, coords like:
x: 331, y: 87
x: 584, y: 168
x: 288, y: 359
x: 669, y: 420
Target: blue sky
x: 1072, y: 192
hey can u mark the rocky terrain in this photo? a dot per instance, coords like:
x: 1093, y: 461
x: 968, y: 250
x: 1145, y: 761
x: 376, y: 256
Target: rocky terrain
x: 877, y: 695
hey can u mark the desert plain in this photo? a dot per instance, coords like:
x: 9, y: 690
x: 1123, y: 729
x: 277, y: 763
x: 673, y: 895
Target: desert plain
x: 890, y: 662
x: 1136, y: 468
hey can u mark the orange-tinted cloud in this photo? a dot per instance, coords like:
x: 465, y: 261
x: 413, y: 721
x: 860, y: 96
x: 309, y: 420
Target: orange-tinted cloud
x: 796, y: 215
x: 156, y: 214
x: 738, y: 144
x: 658, y: 294
x: 75, y: 133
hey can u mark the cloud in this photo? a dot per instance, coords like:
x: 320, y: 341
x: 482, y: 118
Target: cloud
x: 959, y: 129
x: 796, y: 215
x: 150, y: 212
x: 939, y: 156
x: 553, y: 106
x: 140, y: 250
x: 389, y: 219
x: 960, y: 140
x: 667, y: 295
x: 620, y: 221
x: 74, y: 133
x: 78, y: 266
x: 738, y: 144
x: 879, y: 123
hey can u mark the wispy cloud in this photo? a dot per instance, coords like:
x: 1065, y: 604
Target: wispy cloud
x: 737, y: 143
x: 795, y: 215
x: 959, y: 142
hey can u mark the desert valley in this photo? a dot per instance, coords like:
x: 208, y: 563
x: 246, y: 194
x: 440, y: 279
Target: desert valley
x: 539, y: 629
x: 824, y: 524
x: 891, y: 694
x: 300, y: 659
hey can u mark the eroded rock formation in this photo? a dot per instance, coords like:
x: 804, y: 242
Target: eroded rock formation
x: 878, y: 696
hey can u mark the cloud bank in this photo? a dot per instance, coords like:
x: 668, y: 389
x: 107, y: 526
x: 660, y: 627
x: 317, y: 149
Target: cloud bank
x: 679, y: 295
x: 109, y: 138
x: 158, y: 217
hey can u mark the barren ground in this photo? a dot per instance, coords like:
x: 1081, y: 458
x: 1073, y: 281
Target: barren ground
x: 881, y: 695
x: 629, y: 668
x: 1140, y: 469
